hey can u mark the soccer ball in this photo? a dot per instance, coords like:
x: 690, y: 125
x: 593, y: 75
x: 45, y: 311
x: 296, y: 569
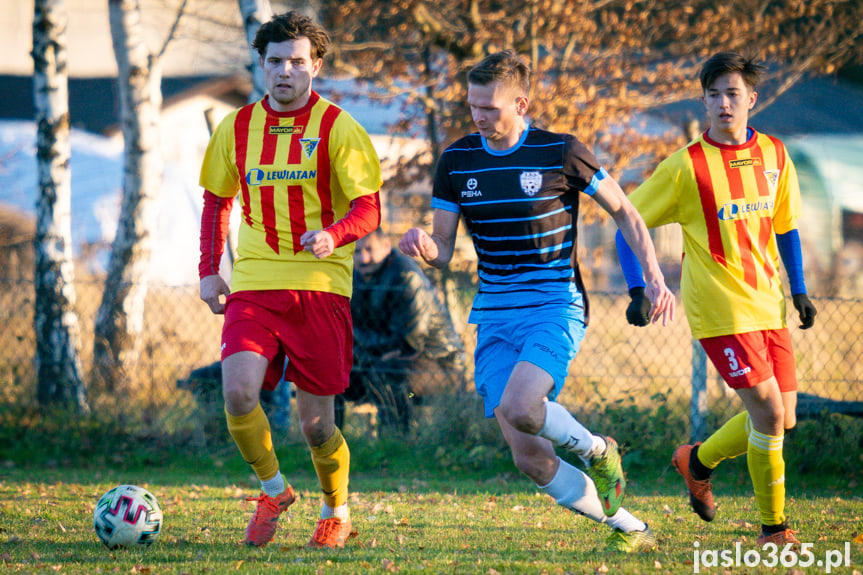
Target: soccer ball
x: 127, y: 516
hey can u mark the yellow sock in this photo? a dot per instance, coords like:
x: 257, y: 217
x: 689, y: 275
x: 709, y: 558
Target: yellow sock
x: 332, y: 461
x: 251, y: 433
x: 767, y: 470
x: 729, y: 441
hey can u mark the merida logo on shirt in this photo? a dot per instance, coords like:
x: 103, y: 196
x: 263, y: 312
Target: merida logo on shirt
x: 733, y: 211
x: 257, y: 177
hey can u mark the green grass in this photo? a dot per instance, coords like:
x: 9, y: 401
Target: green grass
x: 412, y: 516
x: 444, y: 499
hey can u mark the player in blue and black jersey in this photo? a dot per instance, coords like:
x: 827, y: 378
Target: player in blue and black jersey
x: 518, y: 189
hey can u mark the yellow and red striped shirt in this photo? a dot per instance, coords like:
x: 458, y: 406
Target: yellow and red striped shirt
x: 730, y: 201
x: 294, y: 171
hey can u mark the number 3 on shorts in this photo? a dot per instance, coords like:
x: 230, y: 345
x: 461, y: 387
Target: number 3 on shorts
x: 733, y: 364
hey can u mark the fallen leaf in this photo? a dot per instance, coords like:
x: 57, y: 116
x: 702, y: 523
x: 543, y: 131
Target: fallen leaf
x: 657, y: 564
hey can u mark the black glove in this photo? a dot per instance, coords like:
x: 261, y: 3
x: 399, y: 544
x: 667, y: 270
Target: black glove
x: 805, y: 308
x: 638, y: 312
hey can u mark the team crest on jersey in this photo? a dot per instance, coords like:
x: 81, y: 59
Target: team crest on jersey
x: 772, y: 178
x: 309, y: 146
x: 531, y: 182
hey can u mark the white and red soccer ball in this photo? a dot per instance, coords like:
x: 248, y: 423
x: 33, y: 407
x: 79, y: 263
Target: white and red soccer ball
x: 127, y: 516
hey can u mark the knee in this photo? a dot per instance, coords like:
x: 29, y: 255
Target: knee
x: 239, y: 399
x: 770, y: 421
x: 522, y: 417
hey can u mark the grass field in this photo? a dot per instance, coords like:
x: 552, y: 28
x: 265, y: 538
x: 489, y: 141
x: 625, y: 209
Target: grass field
x: 445, y: 499
x: 412, y: 513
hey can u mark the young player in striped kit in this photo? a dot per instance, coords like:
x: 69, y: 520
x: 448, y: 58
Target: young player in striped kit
x: 735, y: 194
x: 518, y: 188
x: 308, y: 180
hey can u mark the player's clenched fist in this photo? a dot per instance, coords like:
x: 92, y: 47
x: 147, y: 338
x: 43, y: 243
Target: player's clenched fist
x: 318, y: 242
x: 417, y: 243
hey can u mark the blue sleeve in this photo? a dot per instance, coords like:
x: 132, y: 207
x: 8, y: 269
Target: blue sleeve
x: 632, y: 271
x: 792, y: 257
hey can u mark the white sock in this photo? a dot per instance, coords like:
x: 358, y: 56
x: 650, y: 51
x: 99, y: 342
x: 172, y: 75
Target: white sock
x: 564, y: 431
x: 626, y: 521
x: 573, y: 489
x: 273, y: 486
x: 341, y: 511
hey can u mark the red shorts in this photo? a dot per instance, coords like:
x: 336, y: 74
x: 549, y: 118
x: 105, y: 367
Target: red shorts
x: 312, y: 329
x: 746, y: 359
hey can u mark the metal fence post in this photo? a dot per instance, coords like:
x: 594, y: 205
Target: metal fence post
x: 698, y: 403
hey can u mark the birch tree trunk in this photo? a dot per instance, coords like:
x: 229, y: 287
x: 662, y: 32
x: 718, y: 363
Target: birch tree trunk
x: 119, y: 321
x: 58, y: 365
x: 255, y: 13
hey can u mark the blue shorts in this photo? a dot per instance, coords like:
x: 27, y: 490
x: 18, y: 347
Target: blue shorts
x: 548, y: 343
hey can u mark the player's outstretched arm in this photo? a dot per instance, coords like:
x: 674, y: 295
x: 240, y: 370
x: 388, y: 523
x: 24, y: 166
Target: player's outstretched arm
x: 436, y: 249
x: 614, y: 201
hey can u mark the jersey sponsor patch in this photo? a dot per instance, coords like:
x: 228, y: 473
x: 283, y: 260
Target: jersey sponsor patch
x: 279, y: 130
x: 256, y: 176
x: 735, y: 210
x: 471, y: 191
x: 531, y: 182
x: 744, y: 162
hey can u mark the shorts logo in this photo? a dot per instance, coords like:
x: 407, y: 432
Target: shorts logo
x: 279, y: 130
x: 531, y: 182
x: 546, y: 349
x: 309, y: 146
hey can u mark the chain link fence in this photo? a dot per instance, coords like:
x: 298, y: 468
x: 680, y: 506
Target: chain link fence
x: 637, y: 375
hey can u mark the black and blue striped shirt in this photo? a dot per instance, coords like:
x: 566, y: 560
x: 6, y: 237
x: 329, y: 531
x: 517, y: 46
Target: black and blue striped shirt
x: 521, y: 208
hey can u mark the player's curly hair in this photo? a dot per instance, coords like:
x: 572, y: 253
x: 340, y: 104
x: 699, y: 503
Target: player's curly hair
x: 290, y: 26
x: 726, y: 62
x: 506, y: 67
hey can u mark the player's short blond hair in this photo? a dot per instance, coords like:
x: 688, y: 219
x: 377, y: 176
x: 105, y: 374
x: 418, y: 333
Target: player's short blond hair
x: 506, y: 67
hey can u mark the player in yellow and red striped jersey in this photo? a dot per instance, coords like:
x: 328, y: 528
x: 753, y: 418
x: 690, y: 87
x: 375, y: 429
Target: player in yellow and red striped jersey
x: 307, y: 177
x: 735, y: 194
